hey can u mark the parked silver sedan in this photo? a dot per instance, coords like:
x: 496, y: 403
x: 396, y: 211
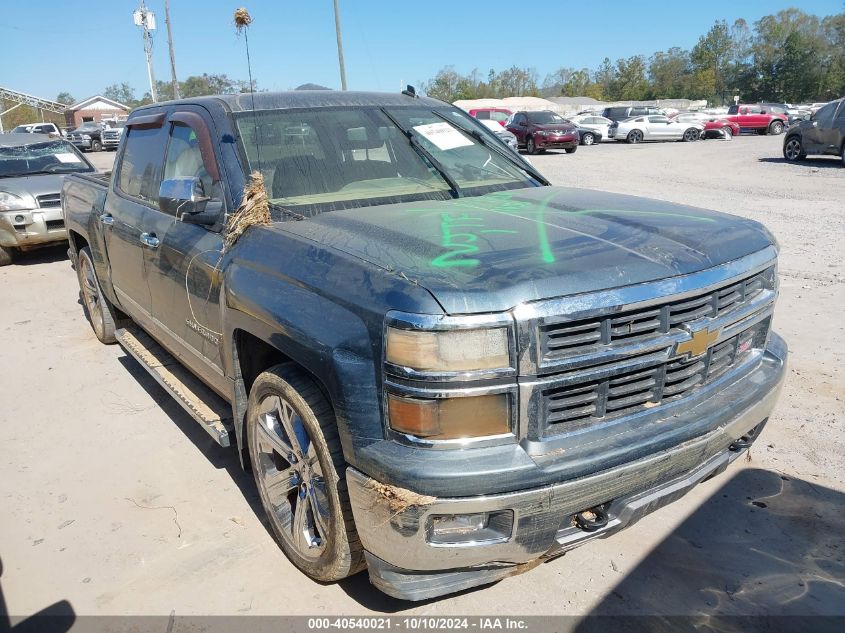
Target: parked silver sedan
x: 655, y: 127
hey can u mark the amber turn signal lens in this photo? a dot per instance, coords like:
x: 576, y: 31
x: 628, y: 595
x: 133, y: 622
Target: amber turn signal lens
x: 450, y: 418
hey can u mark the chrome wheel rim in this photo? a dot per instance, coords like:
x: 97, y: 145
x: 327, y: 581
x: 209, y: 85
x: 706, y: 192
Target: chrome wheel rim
x: 91, y: 294
x: 291, y: 479
x: 793, y: 149
x: 588, y: 139
x: 635, y: 137
x: 777, y: 128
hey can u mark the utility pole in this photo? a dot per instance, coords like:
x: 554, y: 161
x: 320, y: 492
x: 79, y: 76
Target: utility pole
x: 339, y: 46
x: 147, y: 20
x: 176, y: 94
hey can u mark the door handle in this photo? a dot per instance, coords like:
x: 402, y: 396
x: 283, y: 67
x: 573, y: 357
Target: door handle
x: 106, y: 219
x: 149, y: 240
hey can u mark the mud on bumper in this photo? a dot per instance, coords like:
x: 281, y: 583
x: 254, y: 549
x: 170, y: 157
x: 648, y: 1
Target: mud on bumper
x: 406, y: 560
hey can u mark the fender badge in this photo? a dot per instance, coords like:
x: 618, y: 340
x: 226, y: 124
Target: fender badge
x: 698, y: 344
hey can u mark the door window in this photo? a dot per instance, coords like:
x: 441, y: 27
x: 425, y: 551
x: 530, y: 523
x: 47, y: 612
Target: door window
x: 658, y: 119
x: 824, y: 116
x: 140, y: 167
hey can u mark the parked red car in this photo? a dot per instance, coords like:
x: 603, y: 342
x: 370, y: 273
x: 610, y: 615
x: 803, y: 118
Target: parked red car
x: 499, y: 115
x: 714, y: 126
x: 757, y: 117
x: 542, y: 130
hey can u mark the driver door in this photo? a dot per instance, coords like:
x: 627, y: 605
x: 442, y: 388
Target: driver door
x: 184, y: 263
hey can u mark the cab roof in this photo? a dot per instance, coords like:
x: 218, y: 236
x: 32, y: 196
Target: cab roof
x: 306, y: 99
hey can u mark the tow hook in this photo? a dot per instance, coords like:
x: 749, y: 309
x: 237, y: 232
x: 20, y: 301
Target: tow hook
x: 592, y: 519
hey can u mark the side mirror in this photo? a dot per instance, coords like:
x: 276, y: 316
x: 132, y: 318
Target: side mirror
x: 185, y: 198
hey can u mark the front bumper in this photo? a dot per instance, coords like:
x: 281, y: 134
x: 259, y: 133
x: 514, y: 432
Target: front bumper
x: 26, y: 229
x: 82, y: 143
x: 405, y: 564
x: 556, y: 142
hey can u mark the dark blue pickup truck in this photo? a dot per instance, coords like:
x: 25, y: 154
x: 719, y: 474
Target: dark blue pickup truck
x: 437, y: 366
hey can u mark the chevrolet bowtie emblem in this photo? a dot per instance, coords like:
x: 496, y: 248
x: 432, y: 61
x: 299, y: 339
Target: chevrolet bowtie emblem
x: 698, y: 344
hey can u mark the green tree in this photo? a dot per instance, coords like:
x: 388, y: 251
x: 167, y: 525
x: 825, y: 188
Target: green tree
x: 713, y: 53
x: 122, y: 93
x: 670, y: 74
x: 66, y: 98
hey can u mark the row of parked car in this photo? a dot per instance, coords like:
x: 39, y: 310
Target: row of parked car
x: 91, y: 136
x: 537, y: 131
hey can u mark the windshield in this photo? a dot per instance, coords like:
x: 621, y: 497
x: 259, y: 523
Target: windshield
x: 544, y: 118
x: 324, y: 159
x: 54, y: 157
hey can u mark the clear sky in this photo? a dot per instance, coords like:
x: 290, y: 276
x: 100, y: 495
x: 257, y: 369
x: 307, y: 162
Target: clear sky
x: 49, y: 46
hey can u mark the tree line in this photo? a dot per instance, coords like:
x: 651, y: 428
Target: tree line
x: 791, y: 56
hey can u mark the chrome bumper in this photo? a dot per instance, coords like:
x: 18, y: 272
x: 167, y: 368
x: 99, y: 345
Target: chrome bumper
x: 22, y: 229
x: 405, y: 564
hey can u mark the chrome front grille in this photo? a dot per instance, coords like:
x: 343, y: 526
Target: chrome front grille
x: 578, y: 405
x: 49, y: 200
x: 560, y: 339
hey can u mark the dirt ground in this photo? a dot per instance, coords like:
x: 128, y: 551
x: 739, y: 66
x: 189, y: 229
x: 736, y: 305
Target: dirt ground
x: 114, y: 500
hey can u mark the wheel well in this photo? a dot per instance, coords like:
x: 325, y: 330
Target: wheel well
x: 78, y: 241
x: 255, y: 356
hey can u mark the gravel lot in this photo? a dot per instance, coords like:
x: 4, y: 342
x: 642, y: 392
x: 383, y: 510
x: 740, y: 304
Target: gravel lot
x: 116, y: 501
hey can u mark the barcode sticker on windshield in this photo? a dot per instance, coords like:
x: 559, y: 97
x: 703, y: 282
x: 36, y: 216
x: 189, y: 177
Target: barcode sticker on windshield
x: 67, y: 157
x: 443, y: 135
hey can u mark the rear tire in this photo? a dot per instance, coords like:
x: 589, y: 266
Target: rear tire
x: 299, y: 469
x: 691, y: 135
x: 6, y: 256
x: 634, y: 136
x: 776, y: 128
x: 99, y: 310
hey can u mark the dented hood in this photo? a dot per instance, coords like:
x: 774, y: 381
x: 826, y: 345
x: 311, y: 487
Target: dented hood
x: 493, y: 252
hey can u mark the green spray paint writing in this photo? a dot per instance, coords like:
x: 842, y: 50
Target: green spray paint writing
x: 459, y: 236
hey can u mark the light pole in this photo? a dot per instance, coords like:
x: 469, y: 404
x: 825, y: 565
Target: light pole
x: 173, y: 79
x: 147, y: 20
x: 339, y: 46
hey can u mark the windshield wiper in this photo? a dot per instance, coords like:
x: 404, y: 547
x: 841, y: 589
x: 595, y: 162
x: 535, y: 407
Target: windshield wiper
x: 424, y: 153
x: 501, y: 151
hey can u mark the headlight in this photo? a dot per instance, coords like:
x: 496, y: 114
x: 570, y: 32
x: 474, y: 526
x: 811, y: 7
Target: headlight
x: 542, y: 133
x: 450, y: 418
x: 87, y: 137
x: 447, y: 351
x: 11, y: 202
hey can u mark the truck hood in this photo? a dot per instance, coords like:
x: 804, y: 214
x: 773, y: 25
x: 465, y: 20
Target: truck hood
x: 493, y: 252
x: 27, y: 187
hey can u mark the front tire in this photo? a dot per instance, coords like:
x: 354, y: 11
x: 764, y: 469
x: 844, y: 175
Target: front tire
x: 6, y: 256
x: 634, y: 136
x: 588, y: 139
x: 793, y: 150
x: 728, y: 133
x: 530, y: 146
x: 96, y: 146
x: 570, y: 150
x: 99, y: 310
x: 776, y: 128
x: 298, y: 466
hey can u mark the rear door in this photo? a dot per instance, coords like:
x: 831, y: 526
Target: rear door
x: 184, y: 266
x: 133, y: 194
x: 832, y: 135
